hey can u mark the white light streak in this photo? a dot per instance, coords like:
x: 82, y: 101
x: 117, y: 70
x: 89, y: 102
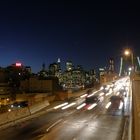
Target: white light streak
x: 93, y: 93
x: 118, y: 93
x: 82, y: 96
x: 138, y: 60
x: 101, y: 94
x: 101, y: 88
x: 67, y: 106
x: 108, y: 105
x: 58, y: 106
x: 91, y: 106
x: 101, y: 99
x: 121, y: 105
x: 81, y: 106
x: 121, y: 66
x: 110, y: 92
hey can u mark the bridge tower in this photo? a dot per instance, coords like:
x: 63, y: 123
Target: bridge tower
x: 111, y: 65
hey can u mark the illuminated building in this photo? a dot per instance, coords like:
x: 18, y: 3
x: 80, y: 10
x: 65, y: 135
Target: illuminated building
x: 69, y: 66
x: 59, y: 64
x: 53, y: 68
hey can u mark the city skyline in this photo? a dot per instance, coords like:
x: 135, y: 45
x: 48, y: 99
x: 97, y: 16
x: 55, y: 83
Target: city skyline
x: 63, y: 66
x: 85, y: 33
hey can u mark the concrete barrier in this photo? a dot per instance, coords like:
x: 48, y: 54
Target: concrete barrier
x: 15, y: 116
x: 39, y: 106
x: 4, y: 118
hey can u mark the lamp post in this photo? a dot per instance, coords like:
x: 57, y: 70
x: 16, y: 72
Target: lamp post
x: 132, y: 124
x: 129, y: 52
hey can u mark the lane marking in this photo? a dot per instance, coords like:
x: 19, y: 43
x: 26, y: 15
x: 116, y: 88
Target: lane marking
x: 48, y: 129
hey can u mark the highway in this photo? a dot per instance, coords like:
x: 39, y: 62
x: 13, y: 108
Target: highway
x: 86, y: 123
x: 33, y: 128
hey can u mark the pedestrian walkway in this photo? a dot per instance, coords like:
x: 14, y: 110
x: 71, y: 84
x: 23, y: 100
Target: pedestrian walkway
x: 136, y: 107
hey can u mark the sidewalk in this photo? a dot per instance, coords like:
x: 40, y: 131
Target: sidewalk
x: 136, y: 107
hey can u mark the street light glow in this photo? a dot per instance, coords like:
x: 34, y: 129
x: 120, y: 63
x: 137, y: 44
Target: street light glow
x: 127, y: 52
x: 130, y: 69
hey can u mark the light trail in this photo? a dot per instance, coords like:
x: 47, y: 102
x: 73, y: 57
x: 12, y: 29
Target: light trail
x: 81, y: 106
x: 91, y: 106
x: 67, y: 106
x: 61, y: 105
x: 108, y: 105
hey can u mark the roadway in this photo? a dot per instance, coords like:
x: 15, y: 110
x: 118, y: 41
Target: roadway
x: 31, y: 129
x: 88, y: 125
x: 83, y: 124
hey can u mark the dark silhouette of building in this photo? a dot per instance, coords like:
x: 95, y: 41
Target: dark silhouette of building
x: 111, y: 66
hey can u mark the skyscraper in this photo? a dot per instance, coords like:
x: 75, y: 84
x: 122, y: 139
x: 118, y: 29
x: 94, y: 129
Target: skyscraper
x: 59, y: 65
x: 111, y: 65
x: 69, y: 66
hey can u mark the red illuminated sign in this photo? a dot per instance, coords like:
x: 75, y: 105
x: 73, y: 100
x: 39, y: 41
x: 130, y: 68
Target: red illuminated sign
x: 18, y: 64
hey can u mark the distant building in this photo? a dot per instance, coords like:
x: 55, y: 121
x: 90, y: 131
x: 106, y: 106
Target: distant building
x: 36, y: 85
x: 111, y: 65
x: 53, y: 68
x: 17, y: 72
x: 6, y: 90
x: 73, y: 78
x: 102, y: 73
x: 28, y: 68
x: 90, y: 78
x: 69, y: 66
x: 3, y: 75
x: 43, y: 73
x: 108, y: 75
x: 79, y: 67
x: 59, y: 65
x: 78, y: 77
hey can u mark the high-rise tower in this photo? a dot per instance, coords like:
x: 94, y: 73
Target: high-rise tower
x: 111, y: 65
x: 59, y: 64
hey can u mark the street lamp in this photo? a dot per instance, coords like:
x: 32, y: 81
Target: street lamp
x: 129, y: 52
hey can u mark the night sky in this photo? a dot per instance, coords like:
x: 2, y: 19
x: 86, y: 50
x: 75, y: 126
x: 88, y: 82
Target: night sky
x: 86, y: 33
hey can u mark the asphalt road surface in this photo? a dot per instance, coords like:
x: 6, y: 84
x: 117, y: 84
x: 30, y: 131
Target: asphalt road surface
x: 73, y: 124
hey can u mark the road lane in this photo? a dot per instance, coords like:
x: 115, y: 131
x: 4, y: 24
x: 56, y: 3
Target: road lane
x: 32, y: 128
x: 87, y: 125
x: 76, y: 124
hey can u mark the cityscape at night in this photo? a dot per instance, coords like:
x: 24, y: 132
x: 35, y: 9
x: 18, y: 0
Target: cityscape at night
x: 69, y: 70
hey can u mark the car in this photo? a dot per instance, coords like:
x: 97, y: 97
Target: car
x: 21, y: 104
x: 92, y: 99
x: 115, y: 101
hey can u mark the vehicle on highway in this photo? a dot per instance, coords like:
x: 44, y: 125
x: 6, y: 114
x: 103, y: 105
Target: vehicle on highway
x: 123, y: 92
x: 92, y: 99
x: 115, y: 101
x: 20, y: 104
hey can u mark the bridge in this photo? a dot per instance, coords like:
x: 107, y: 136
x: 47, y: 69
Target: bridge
x: 134, y: 72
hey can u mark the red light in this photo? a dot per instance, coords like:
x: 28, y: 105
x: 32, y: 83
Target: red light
x: 18, y: 64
